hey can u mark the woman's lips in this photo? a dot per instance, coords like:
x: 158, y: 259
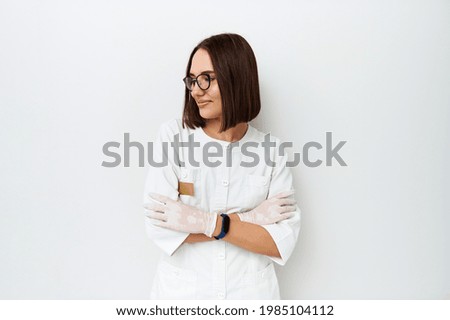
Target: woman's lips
x: 203, y: 103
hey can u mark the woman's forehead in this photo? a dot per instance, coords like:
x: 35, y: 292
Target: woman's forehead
x: 201, y: 62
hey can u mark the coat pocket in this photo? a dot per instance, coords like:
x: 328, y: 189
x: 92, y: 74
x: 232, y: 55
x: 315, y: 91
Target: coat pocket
x: 257, y: 189
x: 172, y: 282
x: 191, y: 176
x: 262, y: 284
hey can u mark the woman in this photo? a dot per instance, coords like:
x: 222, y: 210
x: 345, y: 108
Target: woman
x: 220, y: 218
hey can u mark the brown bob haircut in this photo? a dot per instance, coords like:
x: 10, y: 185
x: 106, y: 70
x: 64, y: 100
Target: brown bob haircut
x: 236, y: 72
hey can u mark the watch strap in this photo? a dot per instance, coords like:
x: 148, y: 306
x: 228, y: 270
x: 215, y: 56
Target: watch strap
x: 225, y: 226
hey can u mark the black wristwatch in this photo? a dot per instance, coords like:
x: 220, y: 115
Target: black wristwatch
x: 225, y: 226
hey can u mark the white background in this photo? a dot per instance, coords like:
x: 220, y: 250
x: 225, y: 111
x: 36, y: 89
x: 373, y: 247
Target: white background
x: 77, y: 74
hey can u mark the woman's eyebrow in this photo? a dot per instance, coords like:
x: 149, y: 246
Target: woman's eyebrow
x: 203, y: 72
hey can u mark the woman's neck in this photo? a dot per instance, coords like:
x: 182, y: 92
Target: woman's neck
x: 232, y: 134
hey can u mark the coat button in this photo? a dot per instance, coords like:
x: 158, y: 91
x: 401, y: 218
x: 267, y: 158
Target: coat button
x: 184, y: 175
x: 225, y: 183
x: 221, y: 256
x: 221, y: 295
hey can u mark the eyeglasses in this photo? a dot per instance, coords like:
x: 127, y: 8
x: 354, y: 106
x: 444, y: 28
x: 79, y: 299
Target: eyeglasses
x: 203, y: 81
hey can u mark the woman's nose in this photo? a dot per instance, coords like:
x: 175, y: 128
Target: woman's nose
x: 196, y: 91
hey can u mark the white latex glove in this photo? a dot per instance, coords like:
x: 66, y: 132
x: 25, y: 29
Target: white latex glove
x: 272, y: 210
x: 176, y: 215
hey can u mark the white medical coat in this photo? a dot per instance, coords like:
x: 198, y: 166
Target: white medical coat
x: 217, y: 269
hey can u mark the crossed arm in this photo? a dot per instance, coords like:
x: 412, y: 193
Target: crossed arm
x: 246, y: 228
x: 249, y: 236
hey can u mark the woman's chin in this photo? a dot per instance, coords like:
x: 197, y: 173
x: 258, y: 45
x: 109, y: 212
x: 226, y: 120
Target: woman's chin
x: 208, y: 115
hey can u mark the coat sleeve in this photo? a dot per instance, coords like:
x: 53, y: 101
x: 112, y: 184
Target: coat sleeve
x: 163, y: 180
x: 284, y: 233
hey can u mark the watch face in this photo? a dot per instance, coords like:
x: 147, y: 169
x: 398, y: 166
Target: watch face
x: 226, y: 224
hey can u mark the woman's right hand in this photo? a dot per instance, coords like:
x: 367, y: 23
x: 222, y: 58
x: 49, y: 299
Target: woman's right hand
x: 272, y: 210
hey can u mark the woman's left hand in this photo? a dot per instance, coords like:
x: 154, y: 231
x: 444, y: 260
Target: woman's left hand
x: 178, y: 216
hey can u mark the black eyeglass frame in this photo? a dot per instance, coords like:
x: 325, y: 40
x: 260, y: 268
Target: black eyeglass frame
x: 195, y: 80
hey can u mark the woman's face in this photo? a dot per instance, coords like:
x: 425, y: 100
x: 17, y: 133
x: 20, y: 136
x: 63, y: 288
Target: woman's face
x: 209, y: 101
